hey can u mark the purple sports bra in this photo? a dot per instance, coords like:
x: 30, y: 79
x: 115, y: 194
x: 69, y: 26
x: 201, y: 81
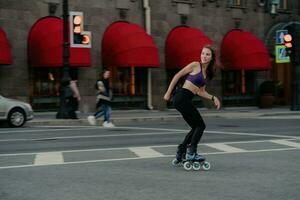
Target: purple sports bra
x: 197, y: 79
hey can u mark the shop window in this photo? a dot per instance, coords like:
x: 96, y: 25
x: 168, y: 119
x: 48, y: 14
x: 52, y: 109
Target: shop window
x: 129, y: 86
x: 230, y: 86
x: 236, y: 3
x: 239, y: 87
x: 283, y: 5
x: 44, y: 88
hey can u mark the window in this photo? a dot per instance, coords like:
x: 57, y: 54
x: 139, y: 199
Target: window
x: 235, y: 3
x: 184, y: 1
x: 44, y: 88
x: 129, y: 86
x: 129, y: 81
x: 283, y: 5
x: 238, y: 90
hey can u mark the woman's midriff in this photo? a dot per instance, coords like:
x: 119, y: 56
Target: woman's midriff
x: 191, y: 87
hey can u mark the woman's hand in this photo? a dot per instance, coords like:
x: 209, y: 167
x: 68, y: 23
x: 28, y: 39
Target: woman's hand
x: 167, y: 97
x: 216, y: 102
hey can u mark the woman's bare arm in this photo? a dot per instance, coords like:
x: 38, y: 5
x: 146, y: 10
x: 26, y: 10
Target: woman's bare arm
x: 186, y: 70
x: 204, y: 94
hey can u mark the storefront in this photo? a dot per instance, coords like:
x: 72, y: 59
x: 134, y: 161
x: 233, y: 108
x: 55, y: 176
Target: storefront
x: 128, y: 51
x: 183, y: 46
x: 242, y: 55
x: 45, y: 50
x: 284, y: 72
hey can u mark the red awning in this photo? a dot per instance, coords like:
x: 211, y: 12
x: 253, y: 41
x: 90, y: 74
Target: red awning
x: 126, y: 44
x: 5, y: 49
x: 241, y: 50
x: 45, y: 45
x: 184, y: 45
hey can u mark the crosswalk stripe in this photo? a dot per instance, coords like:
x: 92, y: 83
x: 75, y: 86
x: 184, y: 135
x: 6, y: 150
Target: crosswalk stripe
x: 145, y: 152
x: 48, y: 158
x: 138, y: 158
x: 287, y: 143
x: 225, y: 147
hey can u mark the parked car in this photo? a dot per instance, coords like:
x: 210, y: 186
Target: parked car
x: 15, y: 112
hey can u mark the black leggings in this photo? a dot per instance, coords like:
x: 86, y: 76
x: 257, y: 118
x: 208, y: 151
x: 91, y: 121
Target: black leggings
x: 183, y: 103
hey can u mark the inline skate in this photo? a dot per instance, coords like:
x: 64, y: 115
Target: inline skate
x: 180, y: 156
x: 195, y: 161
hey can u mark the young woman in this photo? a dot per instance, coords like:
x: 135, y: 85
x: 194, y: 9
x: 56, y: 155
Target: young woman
x: 197, y: 74
x: 104, y: 96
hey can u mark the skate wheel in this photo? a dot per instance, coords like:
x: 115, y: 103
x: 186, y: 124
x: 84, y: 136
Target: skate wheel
x: 196, y: 166
x: 175, y: 162
x: 206, y: 166
x: 187, y: 166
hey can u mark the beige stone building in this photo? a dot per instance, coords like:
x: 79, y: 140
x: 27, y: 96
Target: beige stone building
x: 144, y: 43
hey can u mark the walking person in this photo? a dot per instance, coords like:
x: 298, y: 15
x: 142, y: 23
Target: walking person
x: 70, y: 97
x: 75, y: 99
x: 197, y: 74
x: 103, y: 100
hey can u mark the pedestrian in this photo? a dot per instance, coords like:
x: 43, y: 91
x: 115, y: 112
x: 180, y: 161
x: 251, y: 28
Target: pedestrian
x: 103, y: 100
x: 74, y: 100
x: 196, y: 75
x: 69, y: 96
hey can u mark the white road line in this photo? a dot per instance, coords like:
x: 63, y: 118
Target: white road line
x: 144, y: 128
x: 139, y: 158
x: 125, y: 148
x: 287, y: 143
x: 45, y: 130
x: 168, y: 131
x: 225, y: 148
x: 280, y: 117
x: 254, y: 134
x: 145, y: 152
x: 89, y: 136
x: 49, y: 158
x: 86, y: 128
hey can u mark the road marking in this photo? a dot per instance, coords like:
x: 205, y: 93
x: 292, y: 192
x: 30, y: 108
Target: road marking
x: 62, y: 128
x: 139, y: 158
x: 49, y: 158
x: 287, y: 143
x: 168, y: 131
x: 280, y: 117
x: 254, y: 134
x: 145, y: 152
x: 90, y: 136
x: 46, y: 130
x: 225, y: 148
x: 125, y: 148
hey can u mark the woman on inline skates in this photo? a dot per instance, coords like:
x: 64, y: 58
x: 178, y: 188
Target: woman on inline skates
x: 197, y: 74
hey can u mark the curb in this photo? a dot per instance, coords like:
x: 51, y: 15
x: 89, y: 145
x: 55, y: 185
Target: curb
x: 146, y: 117
x: 84, y: 122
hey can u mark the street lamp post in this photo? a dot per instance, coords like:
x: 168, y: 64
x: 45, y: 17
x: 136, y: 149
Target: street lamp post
x: 65, y: 90
x: 295, y: 32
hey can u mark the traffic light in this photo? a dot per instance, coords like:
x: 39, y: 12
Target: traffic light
x: 78, y: 37
x: 288, y: 43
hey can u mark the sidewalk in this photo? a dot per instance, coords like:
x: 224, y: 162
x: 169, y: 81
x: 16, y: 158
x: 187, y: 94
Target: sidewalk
x: 125, y: 116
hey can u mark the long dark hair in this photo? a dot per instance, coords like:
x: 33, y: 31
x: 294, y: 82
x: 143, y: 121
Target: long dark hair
x: 210, y: 71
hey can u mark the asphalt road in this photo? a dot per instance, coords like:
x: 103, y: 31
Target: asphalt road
x: 250, y: 158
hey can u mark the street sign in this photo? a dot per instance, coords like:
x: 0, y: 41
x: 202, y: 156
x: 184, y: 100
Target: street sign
x: 281, y: 55
x: 279, y: 36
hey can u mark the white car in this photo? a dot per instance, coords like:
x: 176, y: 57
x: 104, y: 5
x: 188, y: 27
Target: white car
x: 15, y: 112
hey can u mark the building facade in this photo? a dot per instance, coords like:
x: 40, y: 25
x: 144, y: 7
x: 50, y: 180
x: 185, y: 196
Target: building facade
x: 140, y: 77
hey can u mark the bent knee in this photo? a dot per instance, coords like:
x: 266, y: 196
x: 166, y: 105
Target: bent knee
x: 201, y: 126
